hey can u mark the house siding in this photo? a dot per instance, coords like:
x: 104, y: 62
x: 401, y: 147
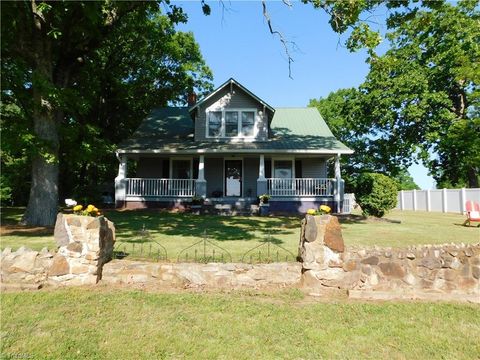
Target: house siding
x: 314, y: 168
x: 150, y: 167
x: 237, y: 100
x: 214, y: 175
x: 250, y: 176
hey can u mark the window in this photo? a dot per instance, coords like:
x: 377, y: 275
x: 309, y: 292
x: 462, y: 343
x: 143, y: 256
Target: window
x: 231, y: 123
x: 214, y: 123
x: 181, y: 169
x: 248, y: 120
x: 283, y: 169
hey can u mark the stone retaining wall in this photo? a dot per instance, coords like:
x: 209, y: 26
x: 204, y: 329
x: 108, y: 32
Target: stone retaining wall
x: 213, y: 275
x: 86, y: 245
x: 447, y: 268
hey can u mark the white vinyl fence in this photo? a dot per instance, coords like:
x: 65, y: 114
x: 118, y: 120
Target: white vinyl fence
x: 442, y: 200
x: 348, y: 203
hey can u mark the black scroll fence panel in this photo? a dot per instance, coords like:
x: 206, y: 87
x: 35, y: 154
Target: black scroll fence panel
x: 141, y: 247
x: 268, y: 251
x: 204, y: 251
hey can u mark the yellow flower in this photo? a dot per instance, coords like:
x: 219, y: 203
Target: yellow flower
x: 311, y: 211
x: 90, y: 208
x: 78, y: 208
x: 325, y: 208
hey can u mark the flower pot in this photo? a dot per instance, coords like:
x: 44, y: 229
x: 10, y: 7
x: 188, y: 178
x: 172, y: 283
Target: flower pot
x: 264, y: 209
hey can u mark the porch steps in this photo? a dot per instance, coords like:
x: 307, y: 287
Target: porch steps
x: 239, y: 208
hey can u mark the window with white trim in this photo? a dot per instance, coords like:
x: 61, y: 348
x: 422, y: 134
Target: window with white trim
x: 214, y: 123
x: 248, y: 123
x: 231, y: 123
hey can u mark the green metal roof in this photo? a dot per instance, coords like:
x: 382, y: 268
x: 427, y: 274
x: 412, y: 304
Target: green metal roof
x: 169, y: 130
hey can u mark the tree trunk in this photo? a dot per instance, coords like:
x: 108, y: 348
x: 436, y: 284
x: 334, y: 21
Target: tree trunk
x: 43, y: 200
x: 472, y: 177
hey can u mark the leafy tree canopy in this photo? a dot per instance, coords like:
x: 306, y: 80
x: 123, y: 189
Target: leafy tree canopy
x: 420, y: 98
x: 78, y: 77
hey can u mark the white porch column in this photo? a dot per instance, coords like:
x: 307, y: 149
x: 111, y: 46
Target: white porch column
x: 201, y: 183
x: 261, y: 168
x: 338, y: 194
x: 261, y: 181
x: 121, y: 181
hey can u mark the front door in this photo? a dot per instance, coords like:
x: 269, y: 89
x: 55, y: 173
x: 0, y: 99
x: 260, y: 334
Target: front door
x: 233, y: 177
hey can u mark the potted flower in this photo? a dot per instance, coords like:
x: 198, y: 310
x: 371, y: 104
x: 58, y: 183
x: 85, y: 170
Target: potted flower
x: 322, y: 210
x: 264, y: 199
x: 90, y: 210
x: 264, y: 205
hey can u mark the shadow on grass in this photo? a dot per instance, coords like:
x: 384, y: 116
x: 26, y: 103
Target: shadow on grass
x: 220, y: 228
x: 30, y: 231
x: 361, y: 219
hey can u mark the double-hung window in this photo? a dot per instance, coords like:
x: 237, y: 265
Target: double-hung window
x: 231, y: 123
x: 214, y: 123
x: 248, y: 122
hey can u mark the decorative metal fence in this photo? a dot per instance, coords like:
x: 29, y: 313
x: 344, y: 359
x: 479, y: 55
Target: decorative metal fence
x: 142, y: 246
x: 267, y: 252
x: 204, y: 251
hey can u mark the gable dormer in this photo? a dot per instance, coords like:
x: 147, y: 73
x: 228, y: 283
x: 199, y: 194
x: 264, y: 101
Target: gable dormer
x: 232, y: 113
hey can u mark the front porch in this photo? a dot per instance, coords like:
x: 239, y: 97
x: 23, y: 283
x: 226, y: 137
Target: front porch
x: 294, y: 183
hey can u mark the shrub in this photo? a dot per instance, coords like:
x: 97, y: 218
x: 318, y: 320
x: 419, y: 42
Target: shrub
x: 376, y: 194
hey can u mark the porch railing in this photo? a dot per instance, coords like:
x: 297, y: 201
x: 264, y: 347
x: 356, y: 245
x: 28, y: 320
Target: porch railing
x: 300, y: 187
x: 160, y: 187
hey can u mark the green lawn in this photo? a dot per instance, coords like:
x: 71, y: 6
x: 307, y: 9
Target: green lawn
x: 238, y: 234
x: 96, y: 323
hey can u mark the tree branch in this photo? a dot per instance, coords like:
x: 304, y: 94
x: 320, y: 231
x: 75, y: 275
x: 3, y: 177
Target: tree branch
x: 280, y: 35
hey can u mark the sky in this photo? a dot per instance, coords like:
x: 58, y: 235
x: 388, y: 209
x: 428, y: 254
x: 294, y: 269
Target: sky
x: 235, y: 42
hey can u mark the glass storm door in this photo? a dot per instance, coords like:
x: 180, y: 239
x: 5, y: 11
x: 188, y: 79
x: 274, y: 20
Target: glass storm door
x: 233, y: 177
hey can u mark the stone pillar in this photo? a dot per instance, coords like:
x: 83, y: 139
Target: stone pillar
x: 261, y: 181
x: 201, y: 183
x: 338, y: 196
x: 121, y: 182
x: 85, y: 245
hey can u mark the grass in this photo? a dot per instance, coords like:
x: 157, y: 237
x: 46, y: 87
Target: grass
x: 176, y: 231
x: 129, y: 324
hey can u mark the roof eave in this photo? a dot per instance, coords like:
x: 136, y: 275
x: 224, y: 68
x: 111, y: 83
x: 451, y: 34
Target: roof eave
x: 228, y: 151
x: 232, y: 80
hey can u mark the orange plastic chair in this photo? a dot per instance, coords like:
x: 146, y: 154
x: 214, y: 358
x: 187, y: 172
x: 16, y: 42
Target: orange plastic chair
x: 473, y: 213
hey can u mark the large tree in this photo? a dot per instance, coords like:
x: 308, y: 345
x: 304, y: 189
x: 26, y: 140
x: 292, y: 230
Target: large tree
x: 70, y: 69
x: 424, y: 92
x: 421, y: 98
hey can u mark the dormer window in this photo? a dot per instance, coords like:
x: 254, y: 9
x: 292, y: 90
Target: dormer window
x: 248, y: 123
x: 231, y: 123
x: 214, y: 123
